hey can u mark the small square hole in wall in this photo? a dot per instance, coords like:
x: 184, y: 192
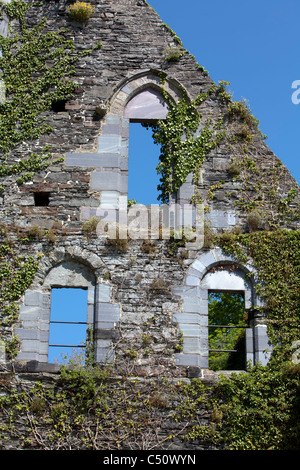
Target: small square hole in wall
x: 58, y: 106
x: 41, y: 199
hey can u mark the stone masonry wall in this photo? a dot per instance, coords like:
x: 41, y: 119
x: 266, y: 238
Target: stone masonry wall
x: 91, y: 133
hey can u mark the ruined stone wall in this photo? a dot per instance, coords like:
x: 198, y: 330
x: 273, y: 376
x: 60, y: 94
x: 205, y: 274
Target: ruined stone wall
x: 147, y: 297
x: 148, y: 285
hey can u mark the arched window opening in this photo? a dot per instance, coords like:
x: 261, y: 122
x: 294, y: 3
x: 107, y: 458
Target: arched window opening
x: 145, y: 107
x: 68, y: 324
x: 143, y: 179
x: 227, y: 323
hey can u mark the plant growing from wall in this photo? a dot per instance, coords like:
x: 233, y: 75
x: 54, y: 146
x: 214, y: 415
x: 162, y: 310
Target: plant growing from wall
x: 80, y: 11
x: 173, y: 53
x: 276, y: 257
x: 182, y: 151
x: 36, y: 66
x: 16, y: 275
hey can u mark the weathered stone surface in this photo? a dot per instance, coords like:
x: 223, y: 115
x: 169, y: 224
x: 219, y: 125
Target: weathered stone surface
x: 133, y: 287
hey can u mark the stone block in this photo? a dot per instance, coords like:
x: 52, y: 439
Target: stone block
x: 96, y: 160
x: 109, y: 200
x: 192, y: 360
x: 185, y: 291
x: 109, y: 144
x: 194, y: 304
x: 114, y: 120
x: 91, y: 295
x: 192, y: 330
x: 106, y: 334
x: 111, y: 129
x: 103, y: 293
x: 195, y: 345
x: 186, y: 191
x: 36, y: 298
x: 106, y: 312
x: 190, y: 318
x: 261, y: 340
x: 194, y: 272
x: 28, y: 313
x: 31, y: 356
x: 104, y: 355
x: 105, y: 325
x: 207, y: 259
x: 31, y: 334
x: 192, y: 281
x: 109, y: 181
x: 90, y: 315
x: 249, y: 340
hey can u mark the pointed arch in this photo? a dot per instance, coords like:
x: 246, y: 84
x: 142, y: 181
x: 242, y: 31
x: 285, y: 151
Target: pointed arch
x: 152, y: 80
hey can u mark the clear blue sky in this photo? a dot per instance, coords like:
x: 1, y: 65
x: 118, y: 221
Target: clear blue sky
x: 255, y: 46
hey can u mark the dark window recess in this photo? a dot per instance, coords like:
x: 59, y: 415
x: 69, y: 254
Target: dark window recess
x: 41, y: 199
x: 58, y: 106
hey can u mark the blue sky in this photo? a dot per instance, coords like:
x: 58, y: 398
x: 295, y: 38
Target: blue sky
x: 255, y: 46
x: 67, y: 305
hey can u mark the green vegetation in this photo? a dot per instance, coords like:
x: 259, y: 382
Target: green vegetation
x: 36, y: 67
x: 182, y: 152
x: 173, y: 53
x: 258, y: 410
x: 91, y: 407
x: 226, y: 309
x: 276, y: 256
x: 16, y: 275
x: 80, y: 11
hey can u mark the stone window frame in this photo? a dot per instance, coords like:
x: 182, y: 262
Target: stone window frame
x: 192, y: 321
x: 103, y: 315
x: 108, y: 159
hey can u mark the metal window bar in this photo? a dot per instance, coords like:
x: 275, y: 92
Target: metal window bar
x: 226, y: 326
x: 68, y: 345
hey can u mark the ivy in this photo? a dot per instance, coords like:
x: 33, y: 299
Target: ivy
x: 276, y: 257
x: 16, y: 275
x: 182, y: 150
x: 36, y: 67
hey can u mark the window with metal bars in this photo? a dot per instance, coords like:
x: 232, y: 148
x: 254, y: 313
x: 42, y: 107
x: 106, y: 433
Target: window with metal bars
x: 227, y: 321
x: 68, y: 324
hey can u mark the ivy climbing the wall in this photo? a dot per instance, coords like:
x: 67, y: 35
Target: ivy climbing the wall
x: 36, y: 66
x: 276, y: 257
x: 16, y: 275
x: 182, y: 150
x: 186, y: 139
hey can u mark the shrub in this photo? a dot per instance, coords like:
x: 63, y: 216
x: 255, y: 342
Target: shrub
x: 90, y: 226
x: 35, y: 232
x: 253, y: 222
x: 234, y: 169
x: 80, y: 11
x: 148, y: 247
x: 118, y: 244
x: 50, y: 236
x: 173, y: 53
